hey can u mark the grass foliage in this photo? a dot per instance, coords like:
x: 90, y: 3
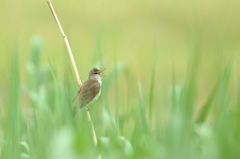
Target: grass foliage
x: 172, y: 90
x: 37, y: 122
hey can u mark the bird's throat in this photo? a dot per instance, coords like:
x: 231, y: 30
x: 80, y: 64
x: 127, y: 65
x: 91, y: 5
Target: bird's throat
x: 99, y: 81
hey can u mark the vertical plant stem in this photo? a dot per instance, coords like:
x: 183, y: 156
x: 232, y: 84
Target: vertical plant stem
x: 66, y: 42
x: 74, y: 66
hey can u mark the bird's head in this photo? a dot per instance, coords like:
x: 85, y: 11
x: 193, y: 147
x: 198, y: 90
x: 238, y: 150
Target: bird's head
x: 96, y: 74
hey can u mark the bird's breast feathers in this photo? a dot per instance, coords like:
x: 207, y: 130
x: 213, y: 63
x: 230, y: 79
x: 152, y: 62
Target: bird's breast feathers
x: 89, y: 92
x: 97, y: 90
x: 96, y: 97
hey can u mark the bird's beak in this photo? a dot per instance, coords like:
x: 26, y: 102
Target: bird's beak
x: 101, y: 71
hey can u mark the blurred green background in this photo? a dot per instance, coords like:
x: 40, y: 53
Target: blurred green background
x: 173, y: 85
x: 134, y: 33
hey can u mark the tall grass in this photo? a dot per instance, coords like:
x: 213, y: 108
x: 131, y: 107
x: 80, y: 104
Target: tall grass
x: 36, y: 120
x: 156, y: 101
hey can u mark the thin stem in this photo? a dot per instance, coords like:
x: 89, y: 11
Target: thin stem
x: 66, y: 42
x: 74, y: 66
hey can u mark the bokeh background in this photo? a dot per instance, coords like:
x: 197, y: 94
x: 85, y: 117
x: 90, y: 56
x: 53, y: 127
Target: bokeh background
x: 134, y: 33
x: 147, y: 46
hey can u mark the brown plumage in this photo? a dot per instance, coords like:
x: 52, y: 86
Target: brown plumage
x: 90, y: 89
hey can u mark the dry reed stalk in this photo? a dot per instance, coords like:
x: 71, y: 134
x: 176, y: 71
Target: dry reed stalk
x: 74, y: 66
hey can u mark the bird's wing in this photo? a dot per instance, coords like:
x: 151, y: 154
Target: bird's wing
x: 88, y: 92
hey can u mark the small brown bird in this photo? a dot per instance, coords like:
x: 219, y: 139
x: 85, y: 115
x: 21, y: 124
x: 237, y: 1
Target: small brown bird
x: 90, y: 89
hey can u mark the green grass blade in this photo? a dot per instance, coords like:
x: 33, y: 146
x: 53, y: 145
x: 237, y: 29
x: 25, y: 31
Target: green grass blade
x: 205, y: 109
x: 142, y: 110
x: 151, y: 92
x: 13, y: 126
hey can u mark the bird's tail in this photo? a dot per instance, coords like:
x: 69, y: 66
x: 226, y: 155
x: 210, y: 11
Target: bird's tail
x: 75, y: 98
x: 76, y: 95
x: 74, y: 111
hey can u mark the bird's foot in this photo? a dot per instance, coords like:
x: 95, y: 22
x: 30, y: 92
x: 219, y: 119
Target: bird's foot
x: 87, y: 109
